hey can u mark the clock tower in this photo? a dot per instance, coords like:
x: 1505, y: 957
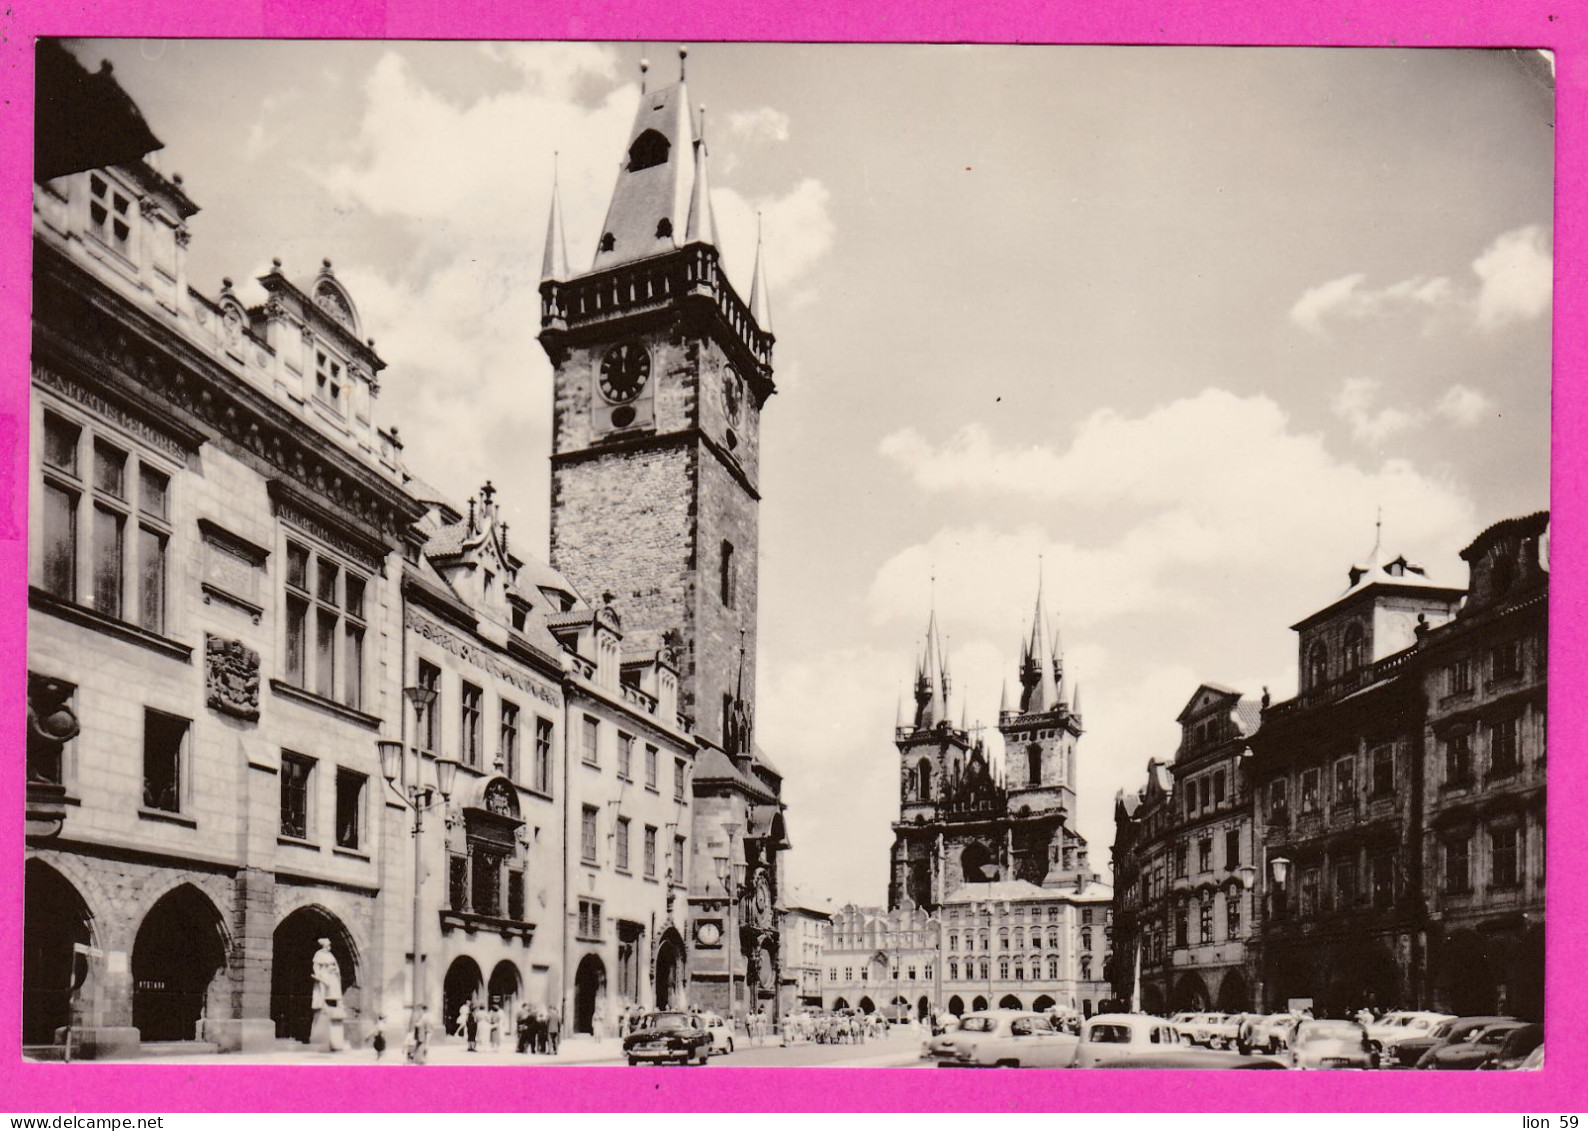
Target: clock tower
x: 662, y: 372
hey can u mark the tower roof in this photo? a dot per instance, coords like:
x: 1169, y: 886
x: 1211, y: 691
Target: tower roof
x: 760, y: 299
x: 1045, y: 693
x: 931, y: 679
x: 650, y: 209
x: 702, y: 226
x: 555, y: 263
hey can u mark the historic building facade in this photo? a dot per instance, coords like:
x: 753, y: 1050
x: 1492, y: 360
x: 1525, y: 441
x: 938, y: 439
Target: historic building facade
x: 216, y: 531
x: 1485, y: 682
x: 882, y: 960
x: 1199, y: 873
x: 1336, y: 780
x: 804, y: 931
x: 661, y: 375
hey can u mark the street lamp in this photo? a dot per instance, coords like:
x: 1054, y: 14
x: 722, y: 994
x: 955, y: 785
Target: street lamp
x: 418, y: 798
x: 727, y: 874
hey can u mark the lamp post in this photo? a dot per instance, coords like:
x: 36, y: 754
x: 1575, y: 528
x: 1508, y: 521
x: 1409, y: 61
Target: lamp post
x: 727, y: 873
x: 418, y: 798
x: 1279, y: 871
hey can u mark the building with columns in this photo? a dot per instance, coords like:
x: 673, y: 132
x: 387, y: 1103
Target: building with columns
x: 661, y: 374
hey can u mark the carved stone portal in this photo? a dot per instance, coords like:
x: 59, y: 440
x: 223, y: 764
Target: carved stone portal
x: 232, y: 676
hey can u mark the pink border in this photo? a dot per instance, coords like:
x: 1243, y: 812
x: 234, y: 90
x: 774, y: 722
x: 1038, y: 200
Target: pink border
x: 1496, y: 23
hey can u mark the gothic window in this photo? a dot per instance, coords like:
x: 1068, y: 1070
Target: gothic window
x: 1034, y: 764
x: 1355, y: 647
x: 649, y: 150
x: 1317, y: 665
x: 923, y: 780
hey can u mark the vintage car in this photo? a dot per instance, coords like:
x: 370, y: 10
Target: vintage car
x: 1519, y: 1047
x: 1271, y: 1034
x: 1109, y: 1039
x: 1210, y: 1030
x: 1010, y: 1038
x: 1404, y: 1025
x: 1411, y: 1052
x: 1332, y: 1044
x: 721, y: 1033
x: 1480, y: 1047
x: 1193, y: 1058
x: 668, y: 1036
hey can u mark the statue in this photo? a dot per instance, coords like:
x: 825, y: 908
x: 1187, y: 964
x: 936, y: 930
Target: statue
x: 325, y: 1032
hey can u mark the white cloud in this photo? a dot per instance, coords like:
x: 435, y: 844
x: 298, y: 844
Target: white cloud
x: 1354, y: 404
x: 1347, y: 298
x: 760, y: 124
x: 1517, y: 278
x: 797, y: 231
x: 1463, y: 407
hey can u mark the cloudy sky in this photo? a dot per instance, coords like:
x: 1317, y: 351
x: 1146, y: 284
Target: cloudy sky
x: 1175, y: 321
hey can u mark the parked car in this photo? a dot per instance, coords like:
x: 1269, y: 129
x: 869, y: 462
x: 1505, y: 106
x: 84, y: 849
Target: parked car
x: 1411, y: 1052
x: 1332, y: 1044
x: 1272, y: 1033
x: 1519, y: 1044
x: 721, y: 1034
x: 1009, y: 1038
x: 1190, y: 1058
x: 1110, y: 1039
x: 1204, y: 1028
x: 1404, y: 1025
x: 1480, y: 1047
x: 668, y: 1036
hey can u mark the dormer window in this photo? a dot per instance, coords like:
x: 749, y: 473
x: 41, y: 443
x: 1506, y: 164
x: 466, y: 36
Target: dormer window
x: 664, y: 229
x: 109, y: 211
x: 328, y: 378
x: 608, y: 242
x: 1355, y: 640
x: 649, y: 149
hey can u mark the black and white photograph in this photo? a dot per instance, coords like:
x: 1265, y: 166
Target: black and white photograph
x: 788, y: 555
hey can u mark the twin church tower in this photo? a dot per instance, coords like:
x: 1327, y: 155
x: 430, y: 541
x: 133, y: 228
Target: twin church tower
x: 661, y: 375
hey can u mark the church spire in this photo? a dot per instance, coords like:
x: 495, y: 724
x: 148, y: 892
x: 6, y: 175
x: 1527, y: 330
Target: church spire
x: 760, y: 300
x: 931, y: 679
x: 1042, y: 692
x: 554, y: 267
x: 702, y: 223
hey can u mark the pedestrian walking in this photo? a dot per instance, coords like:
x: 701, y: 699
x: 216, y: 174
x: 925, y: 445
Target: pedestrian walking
x: 463, y: 1020
x: 553, y: 1030
x: 378, y: 1038
x: 521, y: 1023
x: 471, y: 1028
x: 493, y: 1024
x: 419, y: 1038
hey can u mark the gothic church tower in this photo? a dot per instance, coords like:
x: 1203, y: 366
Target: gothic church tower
x: 661, y: 374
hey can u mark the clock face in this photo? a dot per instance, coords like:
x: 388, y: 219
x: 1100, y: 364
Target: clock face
x: 763, y: 900
x: 624, y: 371
x: 708, y: 934
x: 732, y: 395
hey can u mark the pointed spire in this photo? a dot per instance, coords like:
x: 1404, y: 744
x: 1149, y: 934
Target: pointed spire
x: 1044, y: 695
x: 964, y: 712
x: 645, y: 65
x: 760, y: 299
x: 1003, y: 699
x: 702, y: 223
x: 1075, y: 700
x: 554, y: 266
x: 898, y: 714
x: 931, y: 679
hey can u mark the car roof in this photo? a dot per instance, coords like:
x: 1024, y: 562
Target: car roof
x: 1127, y: 1019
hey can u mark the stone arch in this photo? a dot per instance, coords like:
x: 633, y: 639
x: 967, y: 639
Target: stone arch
x: 505, y: 988
x: 979, y: 1004
x: 589, y: 993
x: 670, y: 969
x: 463, y: 985
x: 840, y: 1003
x: 159, y: 883
x: 956, y: 1005
x: 179, y: 962
x: 1235, y: 996
x: 292, y: 948
x: 55, y: 919
x: 1190, y: 995
x: 974, y: 861
x: 923, y: 1009
x: 867, y: 1006
x: 1010, y: 1001
x: 1043, y: 1003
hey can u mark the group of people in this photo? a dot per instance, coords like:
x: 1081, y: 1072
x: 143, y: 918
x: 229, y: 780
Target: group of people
x: 833, y: 1028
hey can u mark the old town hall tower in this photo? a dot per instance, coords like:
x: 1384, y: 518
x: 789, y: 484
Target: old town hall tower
x: 661, y: 374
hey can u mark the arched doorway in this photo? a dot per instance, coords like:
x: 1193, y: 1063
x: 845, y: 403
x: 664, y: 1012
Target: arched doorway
x: 1152, y: 999
x: 670, y: 971
x: 974, y: 861
x: 463, y: 983
x: 504, y: 989
x: 979, y: 1004
x: 1234, y: 994
x: 292, y: 949
x: 1043, y: 1003
x: 54, y: 920
x: 840, y: 1003
x: 899, y: 1011
x: 867, y: 1006
x: 1190, y: 995
x: 589, y: 993
x: 923, y: 1010
x: 956, y: 1006
x: 178, y: 967
x: 1465, y: 983
x: 1010, y: 1001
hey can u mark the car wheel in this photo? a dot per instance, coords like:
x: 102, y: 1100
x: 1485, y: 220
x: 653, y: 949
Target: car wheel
x: 730, y: 1046
x: 634, y: 1062
x: 1009, y: 1063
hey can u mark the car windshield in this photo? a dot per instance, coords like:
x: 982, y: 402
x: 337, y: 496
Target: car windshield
x: 1108, y: 1035
x: 1444, y: 1030
x: 1329, y: 1031
x: 672, y: 1021
x: 978, y: 1024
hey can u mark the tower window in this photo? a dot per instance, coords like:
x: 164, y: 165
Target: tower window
x: 1034, y: 764
x: 727, y: 578
x: 649, y: 149
x: 608, y: 242
x: 664, y: 228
